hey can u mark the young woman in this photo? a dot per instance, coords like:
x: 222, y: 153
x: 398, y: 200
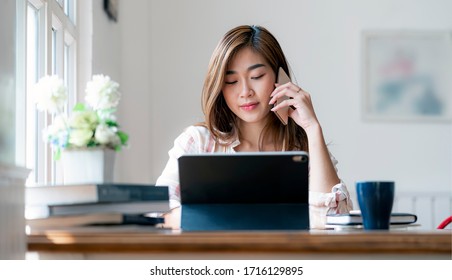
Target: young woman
x: 238, y: 100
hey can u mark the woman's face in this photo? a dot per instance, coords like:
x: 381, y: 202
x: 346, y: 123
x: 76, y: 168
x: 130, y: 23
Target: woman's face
x: 248, y: 83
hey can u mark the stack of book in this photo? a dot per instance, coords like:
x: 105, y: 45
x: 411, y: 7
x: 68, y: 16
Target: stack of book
x: 95, y: 204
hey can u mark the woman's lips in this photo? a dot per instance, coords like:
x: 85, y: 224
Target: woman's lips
x: 249, y: 106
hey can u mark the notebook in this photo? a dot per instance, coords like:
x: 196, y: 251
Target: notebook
x: 244, y: 191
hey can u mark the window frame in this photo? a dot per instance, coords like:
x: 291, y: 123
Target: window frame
x: 56, y: 53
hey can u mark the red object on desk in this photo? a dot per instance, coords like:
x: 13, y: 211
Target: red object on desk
x: 444, y: 223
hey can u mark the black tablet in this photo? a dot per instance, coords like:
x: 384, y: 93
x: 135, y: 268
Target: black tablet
x: 244, y: 191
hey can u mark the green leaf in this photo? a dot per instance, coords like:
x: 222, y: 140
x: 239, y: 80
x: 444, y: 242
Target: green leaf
x: 111, y: 123
x: 92, y: 143
x: 79, y: 107
x: 123, y: 137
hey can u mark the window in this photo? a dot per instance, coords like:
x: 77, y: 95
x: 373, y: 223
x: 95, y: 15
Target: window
x: 51, y: 48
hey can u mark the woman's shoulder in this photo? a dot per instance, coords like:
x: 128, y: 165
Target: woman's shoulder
x: 196, y: 139
x: 197, y: 130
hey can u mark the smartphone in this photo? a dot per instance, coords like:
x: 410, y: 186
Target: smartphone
x: 283, y: 113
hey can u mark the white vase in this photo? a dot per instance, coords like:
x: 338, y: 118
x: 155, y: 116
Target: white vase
x: 86, y: 166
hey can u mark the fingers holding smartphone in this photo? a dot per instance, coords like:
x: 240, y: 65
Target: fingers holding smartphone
x: 282, y: 113
x: 297, y: 102
x: 289, y: 99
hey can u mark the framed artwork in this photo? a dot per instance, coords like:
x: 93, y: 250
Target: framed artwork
x: 111, y: 8
x: 407, y: 75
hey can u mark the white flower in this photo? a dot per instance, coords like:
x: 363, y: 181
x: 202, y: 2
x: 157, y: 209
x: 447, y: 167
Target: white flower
x: 106, y: 135
x: 84, y: 120
x: 102, y: 93
x: 88, y: 126
x: 58, y: 125
x: 80, y: 137
x: 106, y: 115
x: 50, y: 94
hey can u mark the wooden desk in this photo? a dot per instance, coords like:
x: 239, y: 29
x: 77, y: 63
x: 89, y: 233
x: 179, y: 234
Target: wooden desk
x: 149, y: 243
x: 142, y: 243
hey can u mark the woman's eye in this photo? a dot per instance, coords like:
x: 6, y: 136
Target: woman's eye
x: 257, y: 77
x: 230, y: 83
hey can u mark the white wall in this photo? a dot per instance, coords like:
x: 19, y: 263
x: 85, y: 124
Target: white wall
x: 135, y: 164
x: 166, y: 46
x: 106, y: 52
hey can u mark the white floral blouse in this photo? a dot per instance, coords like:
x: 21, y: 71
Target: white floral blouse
x: 197, y: 139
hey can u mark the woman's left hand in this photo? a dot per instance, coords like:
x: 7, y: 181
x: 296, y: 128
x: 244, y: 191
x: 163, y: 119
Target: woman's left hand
x: 300, y: 105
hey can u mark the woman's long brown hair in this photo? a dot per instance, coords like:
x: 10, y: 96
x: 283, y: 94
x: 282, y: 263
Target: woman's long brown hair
x: 219, y: 119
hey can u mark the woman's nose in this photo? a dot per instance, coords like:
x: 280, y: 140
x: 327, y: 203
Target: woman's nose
x: 246, y: 90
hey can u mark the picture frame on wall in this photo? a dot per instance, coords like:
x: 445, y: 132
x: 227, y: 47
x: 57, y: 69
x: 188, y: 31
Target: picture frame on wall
x: 407, y: 75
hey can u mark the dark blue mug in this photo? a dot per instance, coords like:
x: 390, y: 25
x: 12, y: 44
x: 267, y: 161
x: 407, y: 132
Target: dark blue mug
x: 375, y: 199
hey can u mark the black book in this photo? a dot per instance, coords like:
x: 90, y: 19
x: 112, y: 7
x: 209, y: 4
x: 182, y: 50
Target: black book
x: 355, y: 218
x: 130, y: 207
x: 94, y: 193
